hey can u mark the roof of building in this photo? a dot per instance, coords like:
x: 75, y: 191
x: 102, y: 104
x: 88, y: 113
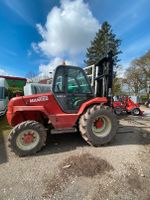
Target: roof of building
x: 13, y: 78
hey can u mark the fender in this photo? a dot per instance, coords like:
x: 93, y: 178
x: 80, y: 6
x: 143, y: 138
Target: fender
x: 30, y: 108
x: 24, y: 107
x: 96, y: 100
x: 20, y: 113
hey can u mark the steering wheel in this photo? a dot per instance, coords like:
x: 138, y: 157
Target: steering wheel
x: 77, y: 102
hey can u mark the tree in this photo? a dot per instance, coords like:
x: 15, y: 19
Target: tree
x: 35, y: 77
x: 138, y: 74
x: 116, y: 86
x: 143, y: 65
x: 133, y: 79
x: 12, y: 91
x: 104, y: 41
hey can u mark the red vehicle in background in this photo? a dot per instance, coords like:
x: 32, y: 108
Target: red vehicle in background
x: 125, y: 104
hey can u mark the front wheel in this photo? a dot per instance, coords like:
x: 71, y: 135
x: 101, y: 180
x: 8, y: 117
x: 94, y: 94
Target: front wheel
x: 98, y: 125
x: 118, y: 110
x: 27, y: 138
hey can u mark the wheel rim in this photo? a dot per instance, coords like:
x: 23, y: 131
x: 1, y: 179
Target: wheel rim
x: 101, y: 126
x: 27, y: 139
x: 136, y: 111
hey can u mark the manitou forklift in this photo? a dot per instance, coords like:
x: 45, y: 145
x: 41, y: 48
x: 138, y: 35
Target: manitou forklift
x: 72, y: 105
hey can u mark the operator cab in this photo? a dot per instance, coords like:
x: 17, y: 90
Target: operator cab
x: 71, y: 88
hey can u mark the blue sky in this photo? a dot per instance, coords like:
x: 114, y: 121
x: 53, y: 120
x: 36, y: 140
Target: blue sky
x: 26, y: 46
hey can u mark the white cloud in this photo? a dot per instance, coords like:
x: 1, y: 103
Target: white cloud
x: 68, y: 29
x: 35, y: 47
x: 3, y: 72
x: 45, y: 69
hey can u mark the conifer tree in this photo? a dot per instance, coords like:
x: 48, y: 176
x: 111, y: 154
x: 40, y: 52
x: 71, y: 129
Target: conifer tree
x: 104, y: 41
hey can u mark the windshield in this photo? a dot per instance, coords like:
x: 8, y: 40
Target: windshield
x: 1, y: 92
x: 77, y: 82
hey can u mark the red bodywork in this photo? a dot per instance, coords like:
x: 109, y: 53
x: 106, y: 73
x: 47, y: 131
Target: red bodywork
x: 126, y: 104
x: 44, y: 107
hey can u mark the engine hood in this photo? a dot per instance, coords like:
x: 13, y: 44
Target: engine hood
x: 36, y: 100
x: 31, y: 100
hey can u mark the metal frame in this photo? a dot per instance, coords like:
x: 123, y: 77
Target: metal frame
x: 93, y: 76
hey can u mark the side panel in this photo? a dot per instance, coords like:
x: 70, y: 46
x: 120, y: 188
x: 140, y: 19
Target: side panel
x: 64, y: 120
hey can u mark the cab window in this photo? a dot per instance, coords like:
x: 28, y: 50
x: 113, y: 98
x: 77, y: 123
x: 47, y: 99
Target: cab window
x: 59, y: 80
x: 77, y: 82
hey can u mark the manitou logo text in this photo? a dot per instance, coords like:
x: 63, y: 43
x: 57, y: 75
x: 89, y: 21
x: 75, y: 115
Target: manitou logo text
x: 39, y: 99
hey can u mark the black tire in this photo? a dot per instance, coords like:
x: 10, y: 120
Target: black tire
x: 86, y: 124
x: 135, y: 112
x: 15, y: 140
x: 118, y: 110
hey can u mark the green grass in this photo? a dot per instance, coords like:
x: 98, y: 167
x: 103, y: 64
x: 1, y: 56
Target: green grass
x: 4, y: 131
x: 4, y: 126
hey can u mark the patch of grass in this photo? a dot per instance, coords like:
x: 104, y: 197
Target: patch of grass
x: 4, y: 126
x: 4, y: 131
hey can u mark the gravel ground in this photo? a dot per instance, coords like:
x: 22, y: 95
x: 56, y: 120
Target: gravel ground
x: 68, y: 169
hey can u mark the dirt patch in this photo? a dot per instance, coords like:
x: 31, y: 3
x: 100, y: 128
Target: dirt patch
x: 84, y: 165
x: 133, y: 179
x: 134, y: 182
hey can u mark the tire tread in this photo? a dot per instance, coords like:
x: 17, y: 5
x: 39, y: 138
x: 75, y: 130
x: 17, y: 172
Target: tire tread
x: 84, y: 120
x: 22, y: 126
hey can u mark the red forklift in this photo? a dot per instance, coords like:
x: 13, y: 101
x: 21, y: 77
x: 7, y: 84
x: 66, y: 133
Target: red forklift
x: 70, y: 106
x: 125, y: 104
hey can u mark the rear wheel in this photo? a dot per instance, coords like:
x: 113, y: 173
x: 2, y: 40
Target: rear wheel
x: 98, y: 125
x: 27, y: 138
x: 136, y: 111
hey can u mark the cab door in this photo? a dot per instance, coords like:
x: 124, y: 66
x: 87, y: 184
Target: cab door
x: 71, y: 88
x: 78, y: 88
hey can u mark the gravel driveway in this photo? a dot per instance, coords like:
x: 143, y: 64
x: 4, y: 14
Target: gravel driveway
x: 68, y: 169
